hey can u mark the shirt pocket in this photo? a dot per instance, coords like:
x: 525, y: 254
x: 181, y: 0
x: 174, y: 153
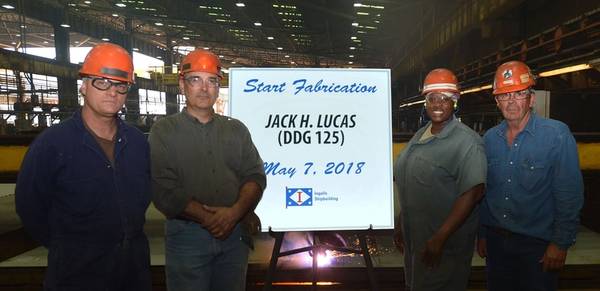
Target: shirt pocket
x: 232, y: 152
x: 533, y: 173
x: 423, y: 172
x: 80, y: 197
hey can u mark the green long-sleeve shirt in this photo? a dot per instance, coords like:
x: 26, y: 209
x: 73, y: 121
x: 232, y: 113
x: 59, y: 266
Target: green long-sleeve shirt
x: 205, y: 162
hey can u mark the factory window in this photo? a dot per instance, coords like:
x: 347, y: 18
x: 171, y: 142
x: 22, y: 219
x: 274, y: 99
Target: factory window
x: 152, y: 102
x: 33, y: 96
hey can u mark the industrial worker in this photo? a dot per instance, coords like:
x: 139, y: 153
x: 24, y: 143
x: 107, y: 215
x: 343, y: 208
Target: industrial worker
x: 530, y: 212
x: 84, y: 186
x: 207, y: 176
x: 440, y: 177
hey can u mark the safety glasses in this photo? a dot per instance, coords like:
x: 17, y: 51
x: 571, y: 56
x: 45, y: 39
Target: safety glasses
x: 104, y: 84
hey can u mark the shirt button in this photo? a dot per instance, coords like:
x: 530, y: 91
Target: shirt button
x: 510, y: 162
x: 531, y: 168
x: 508, y: 180
x: 505, y: 197
x: 515, y: 144
x: 119, y: 140
x: 504, y: 215
x: 109, y: 166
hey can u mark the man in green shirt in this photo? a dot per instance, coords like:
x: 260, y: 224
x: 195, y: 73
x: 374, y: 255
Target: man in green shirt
x: 207, y: 176
x: 440, y: 176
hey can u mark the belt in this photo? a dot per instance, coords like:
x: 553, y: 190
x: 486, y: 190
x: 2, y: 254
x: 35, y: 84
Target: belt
x: 501, y: 231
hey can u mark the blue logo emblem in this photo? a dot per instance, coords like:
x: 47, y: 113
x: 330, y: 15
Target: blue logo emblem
x: 298, y: 197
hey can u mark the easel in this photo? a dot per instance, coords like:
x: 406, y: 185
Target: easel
x: 316, y: 248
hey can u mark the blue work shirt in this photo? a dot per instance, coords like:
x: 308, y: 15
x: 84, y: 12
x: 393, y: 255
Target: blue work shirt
x: 68, y: 190
x: 535, y: 186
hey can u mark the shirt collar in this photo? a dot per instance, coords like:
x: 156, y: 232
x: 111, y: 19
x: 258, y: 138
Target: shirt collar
x: 121, y: 128
x: 451, y: 124
x: 529, y: 128
x: 191, y: 118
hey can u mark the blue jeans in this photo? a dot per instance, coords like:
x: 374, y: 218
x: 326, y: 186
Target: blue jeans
x: 513, y: 263
x: 197, y: 261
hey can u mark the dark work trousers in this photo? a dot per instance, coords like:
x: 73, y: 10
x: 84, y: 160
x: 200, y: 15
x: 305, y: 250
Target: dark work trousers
x: 75, y: 265
x: 513, y: 263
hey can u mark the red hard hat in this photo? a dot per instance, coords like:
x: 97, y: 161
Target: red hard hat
x: 201, y: 61
x: 440, y: 80
x: 511, y: 77
x: 110, y: 61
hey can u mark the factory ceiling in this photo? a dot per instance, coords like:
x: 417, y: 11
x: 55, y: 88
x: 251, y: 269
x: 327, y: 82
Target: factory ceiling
x: 407, y: 36
x: 328, y: 33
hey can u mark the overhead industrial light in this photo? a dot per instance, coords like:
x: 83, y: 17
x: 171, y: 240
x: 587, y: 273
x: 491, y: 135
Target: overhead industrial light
x: 186, y: 38
x: 136, y: 49
x: 257, y: 24
x: 270, y: 37
x: 6, y: 6
x: 206, y: 48
x: 353, y: 37
x: 115, y: 15
x: 413, y: 103
x: 158, y: 23
x: 565, y: 70
x: 354, y: 23
x: 279, y: 48
x: 105, y: 39
x: 65, y: 25
x: 358, y: 5
x: 221, y: 56
x: 121, y: 5
x: 350, y: 63
x: 240, y: 4
x: 476, y: 89
x: 350, y: 56
x: 159, y: 57
x: 352, y: 48
x: 87, y: 2
x: 286, y: 56
x: 233, y: 62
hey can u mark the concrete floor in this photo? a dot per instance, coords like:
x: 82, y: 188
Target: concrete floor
x: 586, y: 251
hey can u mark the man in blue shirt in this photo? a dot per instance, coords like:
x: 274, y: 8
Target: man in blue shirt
x: 530, y: 212
x: 84, y: 186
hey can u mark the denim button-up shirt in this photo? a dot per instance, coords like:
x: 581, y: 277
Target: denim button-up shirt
x: 534, y: 185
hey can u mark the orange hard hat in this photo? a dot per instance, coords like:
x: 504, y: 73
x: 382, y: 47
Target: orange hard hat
x: 512, y: 76
x: 110, y: 61
x: 201, y: 61
x: 440, y: 80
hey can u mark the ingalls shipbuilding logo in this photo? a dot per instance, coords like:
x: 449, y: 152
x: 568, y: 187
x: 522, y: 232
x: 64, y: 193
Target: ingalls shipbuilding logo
x: 298, y: 197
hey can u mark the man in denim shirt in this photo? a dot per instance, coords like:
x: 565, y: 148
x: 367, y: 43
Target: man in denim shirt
x: 530, y: 211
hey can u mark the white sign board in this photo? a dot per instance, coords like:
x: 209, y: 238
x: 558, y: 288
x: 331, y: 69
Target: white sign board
x: 325, y: 138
